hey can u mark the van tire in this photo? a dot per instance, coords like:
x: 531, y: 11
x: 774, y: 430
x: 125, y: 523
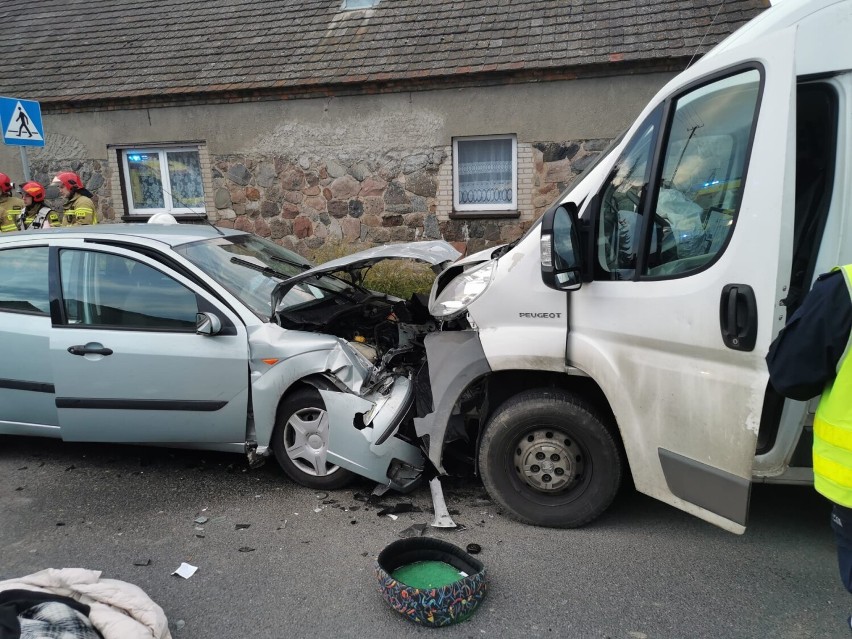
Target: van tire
x: 304, y: 407
x: 580, y: 467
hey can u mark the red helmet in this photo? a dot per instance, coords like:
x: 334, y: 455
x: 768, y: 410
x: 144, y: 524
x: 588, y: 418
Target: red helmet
x: 5, y: 183
x: 69, y: 180
x: 34, y: 190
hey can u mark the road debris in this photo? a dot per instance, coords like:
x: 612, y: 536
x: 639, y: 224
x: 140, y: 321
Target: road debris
x: 415, y: 530
x: 185, y: 570
x: 241, y: 526
x: 142, y: 562
x: 202, y: 520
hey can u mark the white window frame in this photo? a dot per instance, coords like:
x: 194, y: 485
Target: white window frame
x: 353, y: 5
x: 508, y: 206
x: 169, y: 207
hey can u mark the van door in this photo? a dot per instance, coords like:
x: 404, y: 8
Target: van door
x: 692, y: 238
x: 128, y: 365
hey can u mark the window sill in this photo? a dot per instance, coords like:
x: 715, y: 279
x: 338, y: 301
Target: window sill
x: 466, y: 215
x: 187, y: 217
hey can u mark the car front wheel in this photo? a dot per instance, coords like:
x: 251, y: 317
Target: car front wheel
x: 549, y: 461
x: 300, y: 442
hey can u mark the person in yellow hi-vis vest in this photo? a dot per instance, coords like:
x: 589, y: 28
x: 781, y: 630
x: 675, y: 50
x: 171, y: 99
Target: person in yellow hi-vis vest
x: 812, y: 356
x: 11, y: 207
x: 78, y: 208
x: 36, y: 214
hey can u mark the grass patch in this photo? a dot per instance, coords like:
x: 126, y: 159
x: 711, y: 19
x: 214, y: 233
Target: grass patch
x: 400, y: 278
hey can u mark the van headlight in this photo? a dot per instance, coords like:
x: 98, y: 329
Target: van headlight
x: 464, y: 289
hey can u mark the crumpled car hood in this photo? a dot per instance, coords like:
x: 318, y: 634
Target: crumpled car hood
x: 438, y: 253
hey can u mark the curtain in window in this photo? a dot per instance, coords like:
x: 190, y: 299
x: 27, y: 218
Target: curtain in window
x: 185, y: 176
x: 485, y: 171
x: 146, y: 187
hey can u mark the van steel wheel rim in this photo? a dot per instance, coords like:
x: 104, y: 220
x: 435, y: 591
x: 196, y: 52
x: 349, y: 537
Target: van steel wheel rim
x: 548, y: 460
x: 306, y: 442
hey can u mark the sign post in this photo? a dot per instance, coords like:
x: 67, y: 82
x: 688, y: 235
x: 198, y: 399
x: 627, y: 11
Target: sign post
x: 20, y: 121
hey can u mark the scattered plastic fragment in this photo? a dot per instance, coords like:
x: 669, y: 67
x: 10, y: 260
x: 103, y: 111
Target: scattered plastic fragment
x: 246, y: 549
x: 317, y: 510
x: 179, y: 624
x: 394, y: 517
x: 142, y: 562
x: 399, y: 509
x: 185, y: 570
x: 474, y: 549
x: 60, y: 523
x: 202, y: 520
x: 321, y: 495
x: 241, y: 526
x: 415, y: 530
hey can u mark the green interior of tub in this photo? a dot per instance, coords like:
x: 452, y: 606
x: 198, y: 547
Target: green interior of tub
x: 427, y: 574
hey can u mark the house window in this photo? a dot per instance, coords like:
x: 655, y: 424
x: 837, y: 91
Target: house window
x: 163, y: 181
x: 359, y: 4
x: 485, y: 173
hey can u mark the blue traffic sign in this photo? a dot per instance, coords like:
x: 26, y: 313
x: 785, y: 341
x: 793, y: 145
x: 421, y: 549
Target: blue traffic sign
x: 20, y: 121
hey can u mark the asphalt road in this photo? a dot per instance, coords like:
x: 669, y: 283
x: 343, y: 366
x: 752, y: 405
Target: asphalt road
x: 644, y: 570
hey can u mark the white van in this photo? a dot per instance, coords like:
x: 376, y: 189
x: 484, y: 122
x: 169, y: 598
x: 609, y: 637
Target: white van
x: 626, y: 332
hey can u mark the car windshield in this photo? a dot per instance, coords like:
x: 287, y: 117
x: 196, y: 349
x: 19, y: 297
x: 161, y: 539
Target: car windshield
x: 249, y: 267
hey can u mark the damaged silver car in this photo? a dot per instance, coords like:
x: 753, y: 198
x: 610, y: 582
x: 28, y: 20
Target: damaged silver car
x: 198, y: 337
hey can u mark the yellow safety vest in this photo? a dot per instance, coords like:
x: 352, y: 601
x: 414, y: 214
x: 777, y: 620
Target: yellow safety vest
x: 10, y: 212
x: 79, y: 210
x: 833, y: 428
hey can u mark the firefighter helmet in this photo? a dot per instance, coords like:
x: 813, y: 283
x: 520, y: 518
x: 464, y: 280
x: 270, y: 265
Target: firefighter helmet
x: 5, y: 183
x: 69, y: 180
x: 34, y: 190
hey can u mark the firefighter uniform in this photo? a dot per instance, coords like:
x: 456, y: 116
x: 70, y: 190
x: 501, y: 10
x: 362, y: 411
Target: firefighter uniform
x: 11, y: 208
x: 79, y: 210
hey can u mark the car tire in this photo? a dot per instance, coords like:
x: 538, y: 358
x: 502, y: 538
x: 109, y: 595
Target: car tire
x: 548, y: 460
x: 300, y: 442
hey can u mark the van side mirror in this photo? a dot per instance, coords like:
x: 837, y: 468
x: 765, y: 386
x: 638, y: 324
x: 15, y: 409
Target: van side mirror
x: 207, y: 324
x: 561, y: 259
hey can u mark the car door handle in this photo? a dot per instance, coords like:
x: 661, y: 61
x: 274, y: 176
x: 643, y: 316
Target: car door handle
x: 738, y: 317
x: 85, y: 349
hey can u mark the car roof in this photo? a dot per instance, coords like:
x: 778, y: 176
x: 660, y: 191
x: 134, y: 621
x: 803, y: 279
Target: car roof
x: 171, y: 234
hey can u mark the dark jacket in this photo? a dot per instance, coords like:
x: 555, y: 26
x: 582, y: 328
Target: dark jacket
x: 804, y: 356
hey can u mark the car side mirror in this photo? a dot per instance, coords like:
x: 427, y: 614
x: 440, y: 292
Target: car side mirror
x: 561, y: 258
x: 207, y: 324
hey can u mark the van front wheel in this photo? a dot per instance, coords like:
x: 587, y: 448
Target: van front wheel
x: 549, y: 461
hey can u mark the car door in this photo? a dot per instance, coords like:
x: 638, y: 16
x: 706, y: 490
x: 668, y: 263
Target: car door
x: 128, y: 365
x: 692, y: 237
x: 26, y: 380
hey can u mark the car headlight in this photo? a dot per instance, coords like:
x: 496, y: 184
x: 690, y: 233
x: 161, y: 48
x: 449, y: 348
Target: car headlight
x: 464, y: 289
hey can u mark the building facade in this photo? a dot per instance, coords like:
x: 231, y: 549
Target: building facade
x: 366, y: 125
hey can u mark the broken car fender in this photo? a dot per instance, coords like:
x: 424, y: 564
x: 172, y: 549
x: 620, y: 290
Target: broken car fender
x: 300, y: 354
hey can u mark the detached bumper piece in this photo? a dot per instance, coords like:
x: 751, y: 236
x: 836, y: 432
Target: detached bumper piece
x: 362, y: 437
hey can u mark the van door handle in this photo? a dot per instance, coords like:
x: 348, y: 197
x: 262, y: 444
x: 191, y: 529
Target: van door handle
x: 89, y: 349
x: 738, y: 317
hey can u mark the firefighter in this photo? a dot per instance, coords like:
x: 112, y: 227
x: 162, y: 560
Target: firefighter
x: 36, y: 214
x: 11, y: 207
x: 78, y: 208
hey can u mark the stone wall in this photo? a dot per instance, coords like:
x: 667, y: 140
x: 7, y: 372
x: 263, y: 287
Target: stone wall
x: 304, y: 202
x: 95, y: 175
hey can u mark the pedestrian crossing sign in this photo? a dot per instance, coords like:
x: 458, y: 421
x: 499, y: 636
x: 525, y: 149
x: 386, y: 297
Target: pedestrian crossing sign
x: 20, y: 121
